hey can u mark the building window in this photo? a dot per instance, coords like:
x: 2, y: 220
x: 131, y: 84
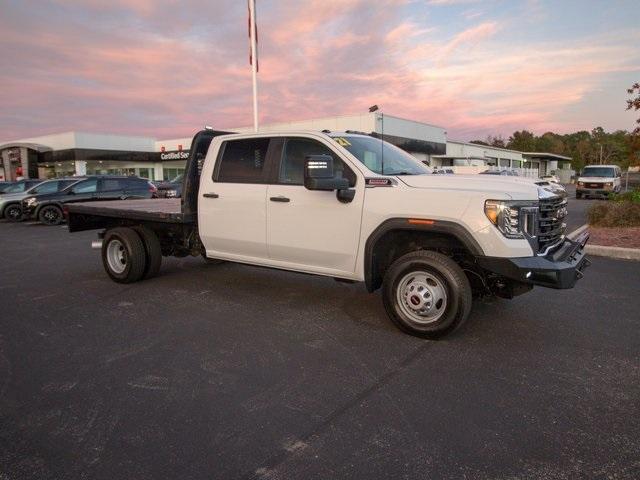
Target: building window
x: 171, y: 173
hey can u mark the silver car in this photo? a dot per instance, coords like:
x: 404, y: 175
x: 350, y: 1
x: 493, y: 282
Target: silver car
x: 10, y: 203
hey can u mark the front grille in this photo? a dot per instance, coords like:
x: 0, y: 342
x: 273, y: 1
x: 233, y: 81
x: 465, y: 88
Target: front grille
x: 595, y: 185
x: 551, y: 226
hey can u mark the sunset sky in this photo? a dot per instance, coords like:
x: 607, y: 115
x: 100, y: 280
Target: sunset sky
x: 166, y: 68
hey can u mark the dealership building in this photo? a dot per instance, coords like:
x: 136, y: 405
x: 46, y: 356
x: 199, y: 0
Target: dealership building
x: 78, y: 153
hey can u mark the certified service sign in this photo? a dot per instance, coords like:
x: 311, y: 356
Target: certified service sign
x: 174, y: 155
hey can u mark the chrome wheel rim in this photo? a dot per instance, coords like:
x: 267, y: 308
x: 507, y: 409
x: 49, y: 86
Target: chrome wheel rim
x: 422, y: 297
x: 116, y: 256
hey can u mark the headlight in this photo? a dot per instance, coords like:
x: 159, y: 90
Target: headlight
x: 512, y: 218
x: 608, y: 184
x: 31, y: 201
x: 581, y: 184
x: 172, y: 193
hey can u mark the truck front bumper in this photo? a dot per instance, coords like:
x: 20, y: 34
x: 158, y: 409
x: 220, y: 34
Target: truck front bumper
x: 561, y: 269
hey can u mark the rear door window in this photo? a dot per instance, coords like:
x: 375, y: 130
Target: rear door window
x: 111, y: 184
x: 243, y: 161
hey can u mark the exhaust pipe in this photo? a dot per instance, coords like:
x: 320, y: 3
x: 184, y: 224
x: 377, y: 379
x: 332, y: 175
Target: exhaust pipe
x: 96, y: 244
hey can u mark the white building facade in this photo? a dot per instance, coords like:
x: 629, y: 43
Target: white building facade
x: 78, y: 153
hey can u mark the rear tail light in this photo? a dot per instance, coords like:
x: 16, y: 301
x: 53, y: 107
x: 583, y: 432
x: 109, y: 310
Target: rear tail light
x: 152, y: 188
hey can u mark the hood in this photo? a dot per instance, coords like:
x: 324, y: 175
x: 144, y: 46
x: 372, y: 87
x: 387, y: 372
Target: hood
x: 45, y: 196
x: 596, y: 179
x: 515, y: 187
x: 13, y: 196
x: 167, y: 186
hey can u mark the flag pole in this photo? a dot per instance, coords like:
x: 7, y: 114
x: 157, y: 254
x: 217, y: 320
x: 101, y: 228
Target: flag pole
x: 254, y: 60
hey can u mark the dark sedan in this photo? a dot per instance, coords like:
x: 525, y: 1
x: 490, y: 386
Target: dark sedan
x: 48, y: 208
x: 170, y: 188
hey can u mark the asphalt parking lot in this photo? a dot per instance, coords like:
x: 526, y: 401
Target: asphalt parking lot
x: 232, y: 371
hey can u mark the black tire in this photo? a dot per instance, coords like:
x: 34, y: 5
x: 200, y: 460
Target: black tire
x: 13, y: 212
x: 454, y: 300
x: 51, y: 215
x: 153, y: 251
x: 133, y: 259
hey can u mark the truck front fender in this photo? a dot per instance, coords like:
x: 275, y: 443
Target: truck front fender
x: 437, y: 228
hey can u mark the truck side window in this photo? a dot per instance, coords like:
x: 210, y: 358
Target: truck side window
x: 292, y: 163
x: 243, y: 161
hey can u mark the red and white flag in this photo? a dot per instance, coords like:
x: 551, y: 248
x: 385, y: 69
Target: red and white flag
x: 255, y: 32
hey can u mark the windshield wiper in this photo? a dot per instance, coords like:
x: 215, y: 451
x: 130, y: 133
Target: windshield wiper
x: 401, y: 173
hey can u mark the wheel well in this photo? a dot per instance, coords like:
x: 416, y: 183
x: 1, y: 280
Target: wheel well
x: 7, y: 205
x: 395, y: 243
x: 50, y: 204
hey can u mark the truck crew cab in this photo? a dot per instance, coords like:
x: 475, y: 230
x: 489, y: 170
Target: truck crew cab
x: 352, y: 207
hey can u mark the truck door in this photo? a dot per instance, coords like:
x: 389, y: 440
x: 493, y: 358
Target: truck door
x: 231, y: 201
x: 312, y: 230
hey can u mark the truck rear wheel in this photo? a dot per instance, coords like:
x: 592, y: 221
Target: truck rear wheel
x: 153, y: 251
x: 123, y: 255
x: 426, y: 294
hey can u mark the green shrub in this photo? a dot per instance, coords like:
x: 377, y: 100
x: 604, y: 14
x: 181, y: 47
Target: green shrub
x: 632, y: 196
x: 621, y: 213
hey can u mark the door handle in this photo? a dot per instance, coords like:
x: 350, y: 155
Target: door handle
x: 280, y: 199
x: 210, y: 195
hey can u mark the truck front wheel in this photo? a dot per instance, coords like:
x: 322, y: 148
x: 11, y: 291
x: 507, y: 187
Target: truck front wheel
x: 123, y: 255
x: 426, y: 294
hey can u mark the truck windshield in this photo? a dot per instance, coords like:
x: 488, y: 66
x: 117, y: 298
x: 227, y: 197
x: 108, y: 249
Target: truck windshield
x: 598, y: 172
x: 381, y: 157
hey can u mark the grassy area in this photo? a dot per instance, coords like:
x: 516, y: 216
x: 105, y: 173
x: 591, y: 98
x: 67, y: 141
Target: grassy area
x: 623, y: 210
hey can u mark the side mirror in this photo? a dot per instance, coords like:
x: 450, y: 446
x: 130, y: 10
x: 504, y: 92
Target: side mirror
x: 319, y: 174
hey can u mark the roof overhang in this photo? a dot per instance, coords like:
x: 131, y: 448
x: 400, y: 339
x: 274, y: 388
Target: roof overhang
x: 545, y: 156
x: 32, y: 146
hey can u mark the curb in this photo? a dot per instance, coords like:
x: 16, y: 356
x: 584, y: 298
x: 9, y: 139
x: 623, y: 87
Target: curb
x: 604, y: 251
x: 577, y: 231
x: 613, y: 252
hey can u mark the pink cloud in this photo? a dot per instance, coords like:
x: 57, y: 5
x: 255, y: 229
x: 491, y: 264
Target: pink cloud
x: 135, y: 73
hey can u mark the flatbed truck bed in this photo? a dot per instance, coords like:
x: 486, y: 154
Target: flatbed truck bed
x: 157, y: 210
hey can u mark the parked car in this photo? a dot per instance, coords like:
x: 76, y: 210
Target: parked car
x: 4, y: 185
x: 171, y: 188
x: 599, y: 181
x: 550, y: 178
x: 322, y: 205
x: 11, y: 203
x: 21, y: 186
x: 510, y: 173
x: 48, y: 207
x: 443, y: 171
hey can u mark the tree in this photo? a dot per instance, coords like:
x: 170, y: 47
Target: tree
x: 496, y: 141
x: 524, y: 141
x: 634, y: 103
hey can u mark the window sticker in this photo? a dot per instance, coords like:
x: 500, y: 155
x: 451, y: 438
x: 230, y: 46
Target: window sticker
x: 342, y: 141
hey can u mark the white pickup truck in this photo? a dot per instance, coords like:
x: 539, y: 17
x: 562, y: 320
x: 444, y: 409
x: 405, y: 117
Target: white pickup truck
x: 352, y: 207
